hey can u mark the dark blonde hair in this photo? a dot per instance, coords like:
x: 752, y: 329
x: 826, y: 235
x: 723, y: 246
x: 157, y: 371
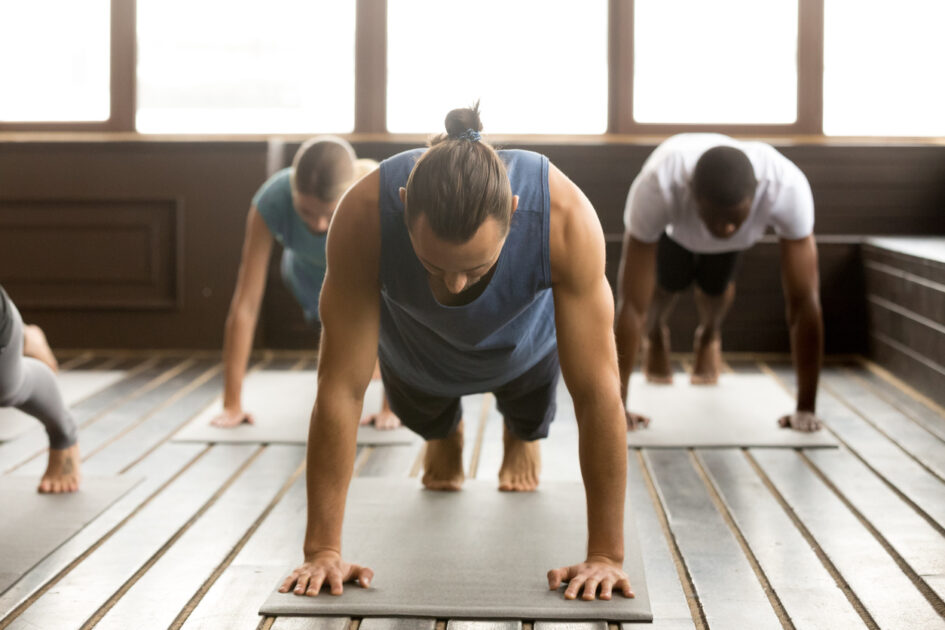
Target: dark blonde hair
x: 460, y: 181
x: 323, y: 167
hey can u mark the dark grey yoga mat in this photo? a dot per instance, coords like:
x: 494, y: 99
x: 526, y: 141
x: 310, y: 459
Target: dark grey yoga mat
x: 742, y: 410
x: 478, y: 553
x: 33, y: 525
x: 281, y: 404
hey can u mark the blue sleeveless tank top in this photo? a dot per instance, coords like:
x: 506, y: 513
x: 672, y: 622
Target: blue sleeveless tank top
x: 458, y: 350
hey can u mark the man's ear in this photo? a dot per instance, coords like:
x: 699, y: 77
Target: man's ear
x: 514, y: 205
x: 403, y: 195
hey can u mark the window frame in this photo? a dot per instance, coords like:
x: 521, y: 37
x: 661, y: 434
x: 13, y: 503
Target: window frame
x: 370, y: 99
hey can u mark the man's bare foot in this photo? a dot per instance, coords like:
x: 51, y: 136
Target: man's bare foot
x: 656, y: 365
x: 521, y: 464
x: 708, y: 358
x: 36, y: 346
x: 805, y: 421
x: 62, y: 472
x: 443, y: 462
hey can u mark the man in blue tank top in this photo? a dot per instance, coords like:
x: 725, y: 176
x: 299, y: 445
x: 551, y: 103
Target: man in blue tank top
x: 468, y: 270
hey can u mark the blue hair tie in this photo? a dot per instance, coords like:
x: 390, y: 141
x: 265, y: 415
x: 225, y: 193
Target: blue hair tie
x: 470, y: 134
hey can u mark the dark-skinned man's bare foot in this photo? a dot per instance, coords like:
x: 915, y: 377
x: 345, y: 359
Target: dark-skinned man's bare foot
x: 656, y: 365
x: 707, y: 350
x: 443, y: 462
x: 521, y: 464
x: 62, y: 472
x: 36, y: 346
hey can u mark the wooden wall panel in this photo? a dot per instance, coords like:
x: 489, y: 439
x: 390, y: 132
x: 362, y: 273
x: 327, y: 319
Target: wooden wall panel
x: 67, y: 254
x: 211, y: 182
x: 858, y: 190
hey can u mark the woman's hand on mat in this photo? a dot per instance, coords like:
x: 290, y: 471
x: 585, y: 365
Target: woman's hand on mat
x: 636, y: 421
x: 593, y: 573
x: 383, y: 420
x: 801, y: 421
x: 231, y: 417
x: 325, y: 568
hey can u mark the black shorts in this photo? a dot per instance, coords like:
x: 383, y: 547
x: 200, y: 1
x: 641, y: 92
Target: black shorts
x: 677, y: 267
x: 527, y: 403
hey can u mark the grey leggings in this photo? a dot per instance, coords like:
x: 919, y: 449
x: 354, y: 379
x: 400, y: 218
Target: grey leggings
x: 30, y: 386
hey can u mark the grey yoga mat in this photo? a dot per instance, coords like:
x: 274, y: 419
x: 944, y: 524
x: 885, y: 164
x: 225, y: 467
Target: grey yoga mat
x: 281, y: 404
x: 33, y: 525
x: 75, y: 386
x: 478, y: 553
x: 742, y: 410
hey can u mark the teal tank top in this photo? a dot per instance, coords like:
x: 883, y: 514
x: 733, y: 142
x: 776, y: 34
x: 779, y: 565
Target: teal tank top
x: 458, y: 350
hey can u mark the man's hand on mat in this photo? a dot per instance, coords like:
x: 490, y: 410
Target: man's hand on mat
x: 801, y: 421
x: 384, y: 420
x: 591, y: 574
x: 636, y: 421
x: 325, y: 568
x: 232, y: 417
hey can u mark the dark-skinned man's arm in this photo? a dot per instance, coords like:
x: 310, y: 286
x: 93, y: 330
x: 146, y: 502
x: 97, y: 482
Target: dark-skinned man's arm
x: 801, y: 283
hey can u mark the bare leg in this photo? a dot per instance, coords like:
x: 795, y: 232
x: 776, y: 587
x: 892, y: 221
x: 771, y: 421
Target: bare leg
x: 36, y: 346
x: 707, y: 346
x: 656, y: 343
x: 521, y: 464
x: 443, y: 462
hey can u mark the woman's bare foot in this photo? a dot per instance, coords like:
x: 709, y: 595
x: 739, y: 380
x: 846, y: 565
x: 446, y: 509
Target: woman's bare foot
x: 443, y: 462
x: 36, y: 346
x: 521, y: 464
x: 656, y: 365
x: 62, y: 472
x: 708, y: 358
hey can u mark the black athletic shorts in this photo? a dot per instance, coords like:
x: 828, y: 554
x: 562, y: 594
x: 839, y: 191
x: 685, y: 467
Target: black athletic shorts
x: 527, y: 403
x: 677, y: 267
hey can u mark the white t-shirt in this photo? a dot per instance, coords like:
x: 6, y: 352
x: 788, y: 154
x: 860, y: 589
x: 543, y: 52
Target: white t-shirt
x: 661, y: 198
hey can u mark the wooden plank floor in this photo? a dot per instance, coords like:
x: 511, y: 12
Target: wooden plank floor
x: 732, y: 538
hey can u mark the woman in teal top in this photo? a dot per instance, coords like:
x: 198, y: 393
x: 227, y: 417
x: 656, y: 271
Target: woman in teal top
x: 293, y: 207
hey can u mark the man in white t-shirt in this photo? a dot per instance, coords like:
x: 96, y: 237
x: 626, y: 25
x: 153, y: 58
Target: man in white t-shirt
x: 698, y: 202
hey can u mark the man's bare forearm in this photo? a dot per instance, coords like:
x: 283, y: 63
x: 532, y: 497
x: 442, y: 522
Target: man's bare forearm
x: 807, y: 343
x: 332, y: 443
x: 603, y: 454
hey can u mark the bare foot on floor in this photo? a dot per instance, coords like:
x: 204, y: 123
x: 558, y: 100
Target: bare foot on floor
x: 443, y: 462
x: 521, y: 464
x: 708, y: 358
x: 62, y: 472
x: 36, y: 346
x: 656, y: 365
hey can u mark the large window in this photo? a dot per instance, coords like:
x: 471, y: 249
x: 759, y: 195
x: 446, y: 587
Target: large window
x: 884, y: 64
x: 54, y: 60
x: 227, y: 66
x: 538, y: 66
x: 724, y: 61
x: 635, y: 67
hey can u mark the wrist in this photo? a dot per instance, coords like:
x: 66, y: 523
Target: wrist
x: 613, y: 559
x: 316, y: 553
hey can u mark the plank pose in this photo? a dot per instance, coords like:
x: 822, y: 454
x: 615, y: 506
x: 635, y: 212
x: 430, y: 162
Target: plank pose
x: 699, y: 201
x: 294, y: 206
x: 28, y: 382
x: 469, y: 270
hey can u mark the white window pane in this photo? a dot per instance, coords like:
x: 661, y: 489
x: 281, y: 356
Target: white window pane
x: 884, y: 64
x: 725, y: 61
x: 54, y: 60
x: 538, y: 66
x: 225, y: 66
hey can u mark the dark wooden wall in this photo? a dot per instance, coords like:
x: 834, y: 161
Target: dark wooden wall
x: 136, y: 244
